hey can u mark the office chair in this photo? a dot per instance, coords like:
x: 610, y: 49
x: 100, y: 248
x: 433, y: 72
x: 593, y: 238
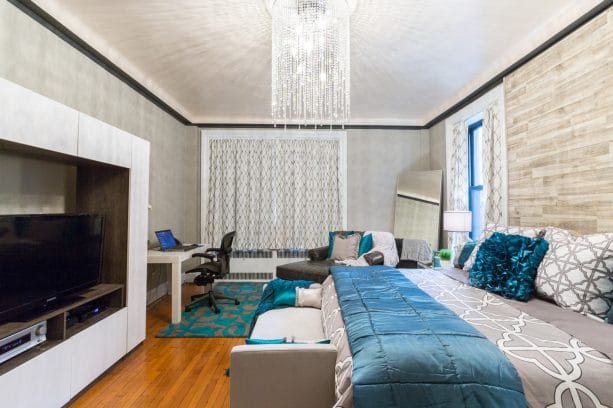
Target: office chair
x: 217, y: 268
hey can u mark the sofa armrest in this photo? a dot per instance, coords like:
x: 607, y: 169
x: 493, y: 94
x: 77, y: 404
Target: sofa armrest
x: 318, y: 254
x: 282, y: 375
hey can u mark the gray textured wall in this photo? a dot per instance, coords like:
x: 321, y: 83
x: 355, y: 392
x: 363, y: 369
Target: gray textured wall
x: 374, y: 160
x: 32, y: 56
x: 438, y: 161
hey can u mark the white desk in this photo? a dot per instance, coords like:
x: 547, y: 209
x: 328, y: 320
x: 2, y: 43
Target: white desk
x: 174, y: 258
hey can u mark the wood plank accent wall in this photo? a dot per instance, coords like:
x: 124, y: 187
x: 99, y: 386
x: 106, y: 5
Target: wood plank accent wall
x: 559, y: 113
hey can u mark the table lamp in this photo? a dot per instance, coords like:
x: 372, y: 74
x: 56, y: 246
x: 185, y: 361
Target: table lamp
x: 458, y: 221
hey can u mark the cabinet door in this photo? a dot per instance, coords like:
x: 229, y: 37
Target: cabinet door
x: 32, y: 119
x: 137, y: 248
x: 97, y: 348
x: 41, y: 382
x: 102, y: 142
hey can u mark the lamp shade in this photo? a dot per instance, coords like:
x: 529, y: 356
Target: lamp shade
x: 457, y: 221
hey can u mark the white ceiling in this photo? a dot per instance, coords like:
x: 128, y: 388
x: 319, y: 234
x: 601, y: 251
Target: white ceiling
x: 410, y: 59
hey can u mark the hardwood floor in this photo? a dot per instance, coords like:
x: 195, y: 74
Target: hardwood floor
x: 166, y: 372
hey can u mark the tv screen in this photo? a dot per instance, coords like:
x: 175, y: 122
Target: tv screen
x: 46, y: 257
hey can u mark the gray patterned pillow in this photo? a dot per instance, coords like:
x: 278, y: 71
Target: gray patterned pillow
x: 577, y: 273
x: 346, y: 247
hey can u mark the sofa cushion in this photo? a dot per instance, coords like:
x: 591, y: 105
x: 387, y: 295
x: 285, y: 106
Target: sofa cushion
x: 296, y: 322
x: 316, y: 271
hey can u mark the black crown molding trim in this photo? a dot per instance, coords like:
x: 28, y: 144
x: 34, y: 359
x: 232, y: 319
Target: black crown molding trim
x: 53, y: 25
x: 306, y: 127
x: 492, y: 83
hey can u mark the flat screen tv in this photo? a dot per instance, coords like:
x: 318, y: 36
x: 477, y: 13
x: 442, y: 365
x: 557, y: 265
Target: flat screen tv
x: 44, y: 258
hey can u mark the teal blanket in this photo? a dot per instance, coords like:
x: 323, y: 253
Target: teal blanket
x: 268, y: 296
x: 410, y: 351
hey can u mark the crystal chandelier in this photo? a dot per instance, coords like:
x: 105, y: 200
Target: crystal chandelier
x: 310, y: 62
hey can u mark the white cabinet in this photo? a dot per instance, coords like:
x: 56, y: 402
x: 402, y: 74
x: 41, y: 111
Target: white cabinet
x: 41, y: 382
x: 55, y: 376
x: 104, y: 143
x: 137, y: 243
x: 29, y: 118
x: 97, y: 348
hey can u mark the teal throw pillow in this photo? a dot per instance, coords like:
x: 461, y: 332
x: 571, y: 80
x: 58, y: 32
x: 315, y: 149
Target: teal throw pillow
x: 366, y: 244
x: 467, y: 249
x: 609, y: 318
x: 507, y: 264
x: 285, y: 297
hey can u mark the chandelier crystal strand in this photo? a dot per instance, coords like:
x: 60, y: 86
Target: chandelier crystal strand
x: 310, y: 62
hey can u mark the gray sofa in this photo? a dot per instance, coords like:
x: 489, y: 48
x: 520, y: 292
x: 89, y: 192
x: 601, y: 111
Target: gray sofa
x: 283, y: 375
x: 317, y: 267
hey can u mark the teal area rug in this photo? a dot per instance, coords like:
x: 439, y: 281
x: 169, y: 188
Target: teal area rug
x: 232, y: 321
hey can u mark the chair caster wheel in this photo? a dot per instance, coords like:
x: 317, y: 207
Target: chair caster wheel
x: 236, y: 302
x: 216, y: 311
x: 188, y: 309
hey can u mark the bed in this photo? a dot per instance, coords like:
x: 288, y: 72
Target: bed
x: 561, y: 357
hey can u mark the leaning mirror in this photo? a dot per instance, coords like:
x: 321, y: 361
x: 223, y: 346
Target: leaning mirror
x: 418, y: 206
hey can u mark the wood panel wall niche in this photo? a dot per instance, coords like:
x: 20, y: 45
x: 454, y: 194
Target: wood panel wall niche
x: 559, y: 112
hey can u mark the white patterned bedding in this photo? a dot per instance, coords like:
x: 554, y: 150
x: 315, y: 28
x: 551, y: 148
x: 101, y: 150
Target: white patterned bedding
x: 556, y: 369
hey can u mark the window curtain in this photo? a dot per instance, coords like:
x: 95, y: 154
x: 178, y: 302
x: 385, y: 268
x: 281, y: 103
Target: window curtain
x: 494, y: 169
x: 458, y: 175
x: 276, y: 193
x: 494, y: 166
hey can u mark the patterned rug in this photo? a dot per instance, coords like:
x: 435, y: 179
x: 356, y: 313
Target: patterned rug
x: 232, y: 321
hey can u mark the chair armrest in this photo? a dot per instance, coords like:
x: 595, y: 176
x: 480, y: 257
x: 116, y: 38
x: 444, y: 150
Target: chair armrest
x: 282, y: 375
x: 318, y: 254
x: 204, y: 255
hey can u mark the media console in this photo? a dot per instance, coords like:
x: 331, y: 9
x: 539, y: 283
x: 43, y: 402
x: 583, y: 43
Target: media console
x: 56, y: 324
x: 111, y: 178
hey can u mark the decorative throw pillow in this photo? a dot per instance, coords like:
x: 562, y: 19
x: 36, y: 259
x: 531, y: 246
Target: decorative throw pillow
x: 284, y: 340
x: 366, y: 244
x: 577, y: 273
x: 374, y: 258
x: 464, y: 254
x: 308, y: 297
x: 332, y: 235
x: 489, y: 229
x: 507, y: 264
x: 346, y: 247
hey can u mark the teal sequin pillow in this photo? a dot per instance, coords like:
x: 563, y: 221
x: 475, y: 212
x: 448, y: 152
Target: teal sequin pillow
x: 507, y: 264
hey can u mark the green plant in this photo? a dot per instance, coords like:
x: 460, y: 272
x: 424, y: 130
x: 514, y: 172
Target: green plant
x: 445, y: 254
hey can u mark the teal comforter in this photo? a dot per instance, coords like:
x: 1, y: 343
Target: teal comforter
x: 411, y: 351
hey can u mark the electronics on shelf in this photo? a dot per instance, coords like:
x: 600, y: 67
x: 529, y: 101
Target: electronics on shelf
x: 45, y: 258
x: 23, y: 340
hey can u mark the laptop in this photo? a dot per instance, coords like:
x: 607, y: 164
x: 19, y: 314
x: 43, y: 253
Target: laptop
x: 168, y: 242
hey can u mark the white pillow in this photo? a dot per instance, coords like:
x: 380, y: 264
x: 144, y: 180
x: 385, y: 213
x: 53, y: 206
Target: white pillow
x: 308, y: 297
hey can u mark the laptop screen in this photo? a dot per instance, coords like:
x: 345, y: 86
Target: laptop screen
x: 167, y: 240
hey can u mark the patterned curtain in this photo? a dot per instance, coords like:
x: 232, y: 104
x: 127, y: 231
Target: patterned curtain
x: 458, y: 175
x: 494, y: 165
x: 274, y: 193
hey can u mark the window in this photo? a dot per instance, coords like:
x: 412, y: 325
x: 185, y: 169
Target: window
x: 476, y: 203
